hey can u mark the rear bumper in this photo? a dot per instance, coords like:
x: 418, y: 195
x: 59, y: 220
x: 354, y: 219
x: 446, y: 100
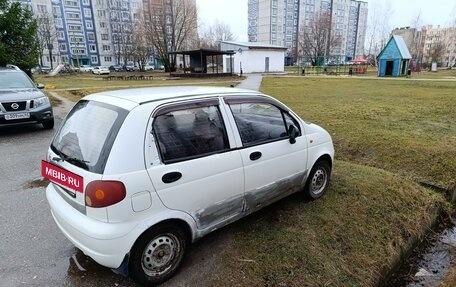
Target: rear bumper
x: 106, y: 243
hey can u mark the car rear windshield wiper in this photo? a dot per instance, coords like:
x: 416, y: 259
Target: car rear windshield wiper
x: 76, y: 161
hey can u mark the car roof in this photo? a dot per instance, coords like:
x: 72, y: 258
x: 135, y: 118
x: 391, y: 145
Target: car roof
x: 144, y: 95
x: 9, y: 70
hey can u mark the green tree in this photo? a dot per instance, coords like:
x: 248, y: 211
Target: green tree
x: 18, y: 28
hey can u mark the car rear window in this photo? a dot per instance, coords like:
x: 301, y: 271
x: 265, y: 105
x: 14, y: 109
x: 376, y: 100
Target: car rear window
x: 87, y: 134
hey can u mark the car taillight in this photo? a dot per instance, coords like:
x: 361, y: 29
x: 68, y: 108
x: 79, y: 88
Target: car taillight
x: 102, y: 193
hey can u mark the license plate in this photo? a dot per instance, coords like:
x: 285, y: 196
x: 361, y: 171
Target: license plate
x: 62, y: 176
x: 17, y: 116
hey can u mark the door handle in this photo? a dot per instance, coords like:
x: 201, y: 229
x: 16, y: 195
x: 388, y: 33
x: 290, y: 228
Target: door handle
x: 171, y: 177
x: 255, y: 155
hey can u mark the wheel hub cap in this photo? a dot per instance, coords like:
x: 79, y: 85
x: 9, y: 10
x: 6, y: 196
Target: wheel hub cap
x: 158, y: 256
x: 318, y: 181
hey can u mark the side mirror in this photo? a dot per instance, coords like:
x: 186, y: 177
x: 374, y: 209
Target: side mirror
x: 40, y: 86
x: 293, y: 133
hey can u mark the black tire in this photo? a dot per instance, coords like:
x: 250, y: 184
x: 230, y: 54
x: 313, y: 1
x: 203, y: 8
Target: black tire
x: 157, y: 254
x: 49, y: 124
x: 318, y: 181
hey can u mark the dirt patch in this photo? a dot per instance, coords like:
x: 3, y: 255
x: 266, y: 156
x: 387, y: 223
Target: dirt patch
x: 63, y: 107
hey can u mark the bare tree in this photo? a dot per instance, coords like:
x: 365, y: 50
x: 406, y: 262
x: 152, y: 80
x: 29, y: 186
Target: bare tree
x: 141, y: 44
x: 378, y: 29
x: 172, y: 27
x: 211, y: 36
x: 436, y: 52
x: 46, y: 35
x: 122, y: 29
x: 415, y: 49
x: 317, y: 39
x: 452, y: 47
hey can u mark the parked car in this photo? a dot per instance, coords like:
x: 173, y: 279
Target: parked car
x: 139, y: 174
x: 115, y: 68
x: 21, y: 101
x: 41, y: 70
x: 130, y: 67
x: 100, y: 70
x: 149, y: 67
x: 85, y: 68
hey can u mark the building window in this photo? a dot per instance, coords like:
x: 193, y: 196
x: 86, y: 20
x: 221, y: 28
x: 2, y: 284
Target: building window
x: 106, y: 48
x: 75, y: 27
x: 87, y: 12
x: 56, y: 11
x: 92, y: 48
x: 73, y: 15
x: 71, y: 3
x: 104, y: 37
x: 94, y: 59
x: 86, y: 2
x: 108, y: 59
x: 62, y: 47
x: 60, y: 35
x: 91, y: 36
x: 58, y: 23
x: 101, y: 13
x: 41, y: 8
x: 89, y: 25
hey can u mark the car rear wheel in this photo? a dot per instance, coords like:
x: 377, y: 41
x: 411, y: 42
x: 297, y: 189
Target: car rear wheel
x: 49, y: 124
x: 157, y: 254
x: 318, y: 181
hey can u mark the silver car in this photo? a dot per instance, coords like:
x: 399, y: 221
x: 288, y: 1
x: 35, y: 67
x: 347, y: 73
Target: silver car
x: 21, y: 101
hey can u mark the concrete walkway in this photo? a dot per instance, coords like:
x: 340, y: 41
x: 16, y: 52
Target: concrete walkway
x: 251, y: 82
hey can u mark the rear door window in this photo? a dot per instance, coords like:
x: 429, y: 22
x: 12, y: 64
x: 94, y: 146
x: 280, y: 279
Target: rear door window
x: 86, y: 137
x: 189, y: 132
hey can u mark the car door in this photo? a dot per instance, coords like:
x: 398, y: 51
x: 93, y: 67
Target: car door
x: 195, y: 170
x: 274, y: 165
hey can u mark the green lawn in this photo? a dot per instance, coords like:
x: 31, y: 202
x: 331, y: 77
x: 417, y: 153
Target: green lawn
x: 405, y: 127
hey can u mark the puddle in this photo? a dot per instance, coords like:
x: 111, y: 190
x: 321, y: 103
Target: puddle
x: 38, y: 182
x: 430, y: 262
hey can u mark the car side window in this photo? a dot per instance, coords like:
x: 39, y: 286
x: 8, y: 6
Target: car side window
x: 190, y: 132
x: 259, y: 122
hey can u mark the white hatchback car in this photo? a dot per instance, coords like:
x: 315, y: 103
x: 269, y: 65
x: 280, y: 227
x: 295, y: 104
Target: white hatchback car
x: 136, y: 175
x: 100, y: 70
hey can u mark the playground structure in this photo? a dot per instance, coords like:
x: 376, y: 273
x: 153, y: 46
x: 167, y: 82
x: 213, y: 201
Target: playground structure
x: 332, y: 65
x: 61, y: 68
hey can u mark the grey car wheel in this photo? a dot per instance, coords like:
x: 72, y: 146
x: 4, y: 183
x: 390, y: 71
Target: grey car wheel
x: 157, y: 254
x: 318, y: 180
x: 49, y: 124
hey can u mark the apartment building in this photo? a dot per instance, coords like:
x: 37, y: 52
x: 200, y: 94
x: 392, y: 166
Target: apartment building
x: 412, y: 38
x: 430, y: 44
x: 92, y: 32
x: 439, y: 45
x: 278, y: 22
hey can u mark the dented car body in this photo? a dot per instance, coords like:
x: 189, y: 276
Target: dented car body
x: 162, y: 167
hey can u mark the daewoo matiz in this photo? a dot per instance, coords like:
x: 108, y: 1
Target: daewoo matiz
x: 137, y: 175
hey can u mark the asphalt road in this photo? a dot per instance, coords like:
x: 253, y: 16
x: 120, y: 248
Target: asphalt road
x: 33, y: 251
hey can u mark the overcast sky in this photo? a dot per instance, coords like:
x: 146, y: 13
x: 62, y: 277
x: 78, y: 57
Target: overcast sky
x: 234, y: 12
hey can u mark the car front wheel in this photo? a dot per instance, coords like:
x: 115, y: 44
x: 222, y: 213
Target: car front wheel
x: 318, y: 181
x: 157, y: 254
x: 49, y: 124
